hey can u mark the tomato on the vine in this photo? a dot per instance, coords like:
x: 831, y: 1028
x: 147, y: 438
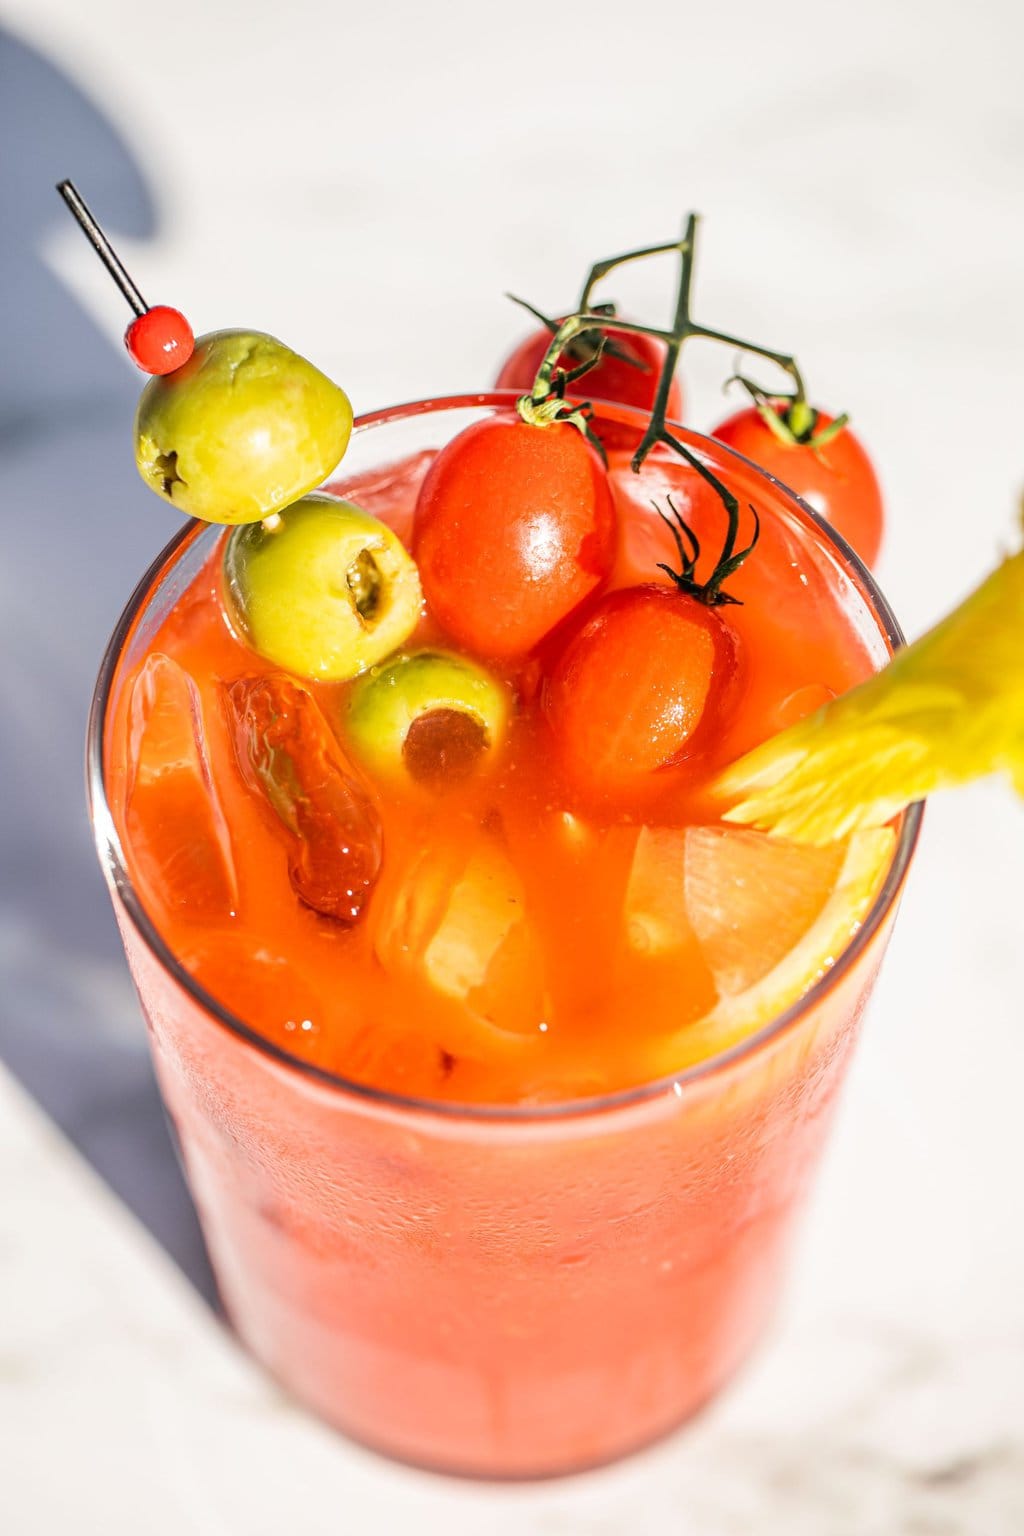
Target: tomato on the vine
x: 833, y: 474
x: 515, y: 526
x: 633, y: 684
x: 612, y: 378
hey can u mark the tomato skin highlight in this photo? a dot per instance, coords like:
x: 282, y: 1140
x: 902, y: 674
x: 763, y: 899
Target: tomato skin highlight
x: 515, y: 526
x: 837, y: 480
x: 632, y: 685
x: 610, y: 379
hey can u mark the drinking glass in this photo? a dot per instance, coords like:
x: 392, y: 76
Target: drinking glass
x: 501, y: 1292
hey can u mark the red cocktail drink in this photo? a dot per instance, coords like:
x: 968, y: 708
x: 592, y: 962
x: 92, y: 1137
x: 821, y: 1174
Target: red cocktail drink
x: 498, y: 1176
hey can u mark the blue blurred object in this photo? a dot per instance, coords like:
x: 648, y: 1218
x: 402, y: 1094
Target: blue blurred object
x: 79, y: 528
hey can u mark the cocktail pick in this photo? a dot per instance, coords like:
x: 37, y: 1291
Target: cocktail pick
x: 159, y: 338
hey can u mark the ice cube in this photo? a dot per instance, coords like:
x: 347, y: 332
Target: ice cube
x: 177, y: 831
x: 485, y: 907
x: 656, y: 918
x: 288, y: 755
x: 412, y: 902
x: 661, y: 962
x: 751, y: 898
x: 803, y: 701
x: 459, y: 920
x: 272, y: 994
x: 397, y: 1059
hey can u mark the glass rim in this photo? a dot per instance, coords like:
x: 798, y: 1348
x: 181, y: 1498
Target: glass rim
x: 112, y: 858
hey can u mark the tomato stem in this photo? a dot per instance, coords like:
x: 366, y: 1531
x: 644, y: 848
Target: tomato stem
x: 575, y: 325
x: 681, y: 329
x: 554, y: 407
x: 790, y: 418
x: 601, y: 269
x: 730, y: 560
x: 545, y: 402
x: 591, y: 317
x: 585, y: 348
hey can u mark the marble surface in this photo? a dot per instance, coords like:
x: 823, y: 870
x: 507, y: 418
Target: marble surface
x: 366, y: 182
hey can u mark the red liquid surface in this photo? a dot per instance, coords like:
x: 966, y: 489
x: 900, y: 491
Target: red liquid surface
x: 503, y: 1297
x: 556, y: 1004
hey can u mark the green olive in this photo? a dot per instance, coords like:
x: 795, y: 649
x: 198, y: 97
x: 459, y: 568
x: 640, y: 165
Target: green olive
x: 431, y: 717
x: 321, y: 588
x: 241, y: 430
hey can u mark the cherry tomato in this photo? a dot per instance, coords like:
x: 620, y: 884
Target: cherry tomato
x: 836, y: 479
x: 515, y: 526
x: 610, y: 379
x: 632, y: 685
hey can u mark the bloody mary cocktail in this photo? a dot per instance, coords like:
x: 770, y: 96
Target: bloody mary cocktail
x: 497, y: 1135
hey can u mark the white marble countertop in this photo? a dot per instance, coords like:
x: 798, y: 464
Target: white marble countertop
x: 365, y: 182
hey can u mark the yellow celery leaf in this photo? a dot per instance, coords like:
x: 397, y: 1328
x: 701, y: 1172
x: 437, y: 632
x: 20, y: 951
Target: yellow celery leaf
x: 945, y: 710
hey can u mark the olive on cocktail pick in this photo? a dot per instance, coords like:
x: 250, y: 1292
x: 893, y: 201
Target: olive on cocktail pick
x: 323, y: 589
x: 241, y: 430
x: 232, y: 427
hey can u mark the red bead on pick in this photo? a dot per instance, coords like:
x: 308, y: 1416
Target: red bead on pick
x: 159, y: 340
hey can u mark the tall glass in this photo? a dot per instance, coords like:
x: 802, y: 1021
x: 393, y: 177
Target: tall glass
x: 500, y: 1292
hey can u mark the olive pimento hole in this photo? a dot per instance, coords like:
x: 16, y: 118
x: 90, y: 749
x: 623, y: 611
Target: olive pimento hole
x: 364, y: 581
x: 166, y: 466
x: 443, y: 746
